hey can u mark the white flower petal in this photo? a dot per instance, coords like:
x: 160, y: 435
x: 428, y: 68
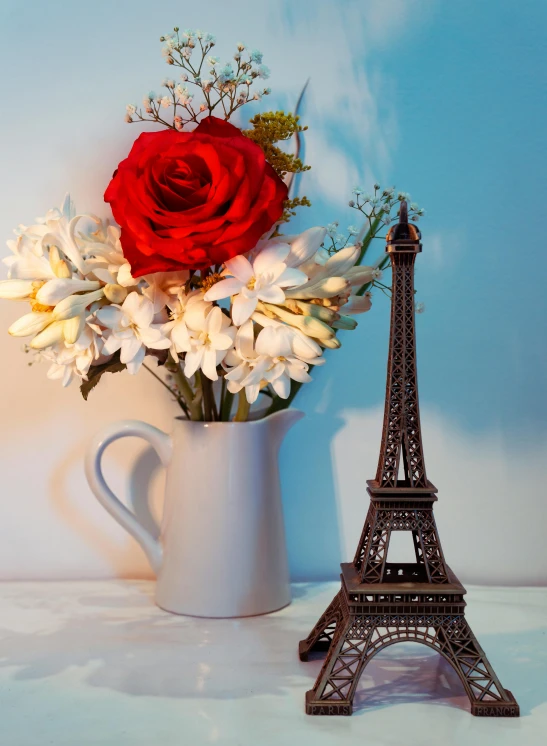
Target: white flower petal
x: 282, y: 386
x: 223, y: 289
x: 271, y: 294
x: 209, y: 364
x: 338, y: 264
x: 274, y: 342
x: 130, y: 347
x: 242, y: 309
x: 304, y: 246
x: 192, y: 361
x: 134, y: 364
x: 110, y: 316
x: 125, y: 278
x: 112, y: 345
x: 304, y: 347
x: 221, y: 341
x: 358, y: 304
x: 252, y: 392
x: 180, y: 336
x: 270, y: 256
x: 139, y: 309
x: 245, y: 340
x: 240, y: 267
x: 291, y: 278
x: 298, y: 372
x: 214, y: 320
x: 195, y: 316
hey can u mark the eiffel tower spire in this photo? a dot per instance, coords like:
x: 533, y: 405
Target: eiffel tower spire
x: 401, y: 435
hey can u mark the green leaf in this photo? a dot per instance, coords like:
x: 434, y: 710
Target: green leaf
x: 96, y: 372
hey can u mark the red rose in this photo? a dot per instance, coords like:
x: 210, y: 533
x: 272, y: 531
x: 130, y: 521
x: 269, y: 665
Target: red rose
x: 188, y: 200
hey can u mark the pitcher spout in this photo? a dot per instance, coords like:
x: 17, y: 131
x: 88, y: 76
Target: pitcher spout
x: 282, y: 421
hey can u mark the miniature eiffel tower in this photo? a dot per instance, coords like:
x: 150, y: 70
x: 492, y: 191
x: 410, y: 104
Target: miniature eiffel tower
x: 381, y: 603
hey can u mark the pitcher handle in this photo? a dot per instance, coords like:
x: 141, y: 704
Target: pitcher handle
x: 162, y: 444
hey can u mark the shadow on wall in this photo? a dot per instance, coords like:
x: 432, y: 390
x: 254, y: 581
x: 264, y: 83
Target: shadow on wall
x: 312, y: 523
x: 125, y: 557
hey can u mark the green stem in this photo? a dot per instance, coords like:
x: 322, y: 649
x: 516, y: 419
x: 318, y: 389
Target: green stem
x: 243, y: 407
x: 370, y: 234
x: 208, y: 399
x: 193, y: 402
x: 226, y: 406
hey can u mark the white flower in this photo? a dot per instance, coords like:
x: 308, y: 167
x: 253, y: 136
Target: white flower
x: 210, y: 336
x: 69, y: 360
x: 241, y: 361
x: 304, y: 347
x: 262, y: 280
x: 278, y: 365
x: 132, y: 330
x: 176, y: 328
x: 280, y: 353
x: 163, y: 287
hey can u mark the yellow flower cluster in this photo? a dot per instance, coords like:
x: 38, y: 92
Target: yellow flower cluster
x: 273, y: 127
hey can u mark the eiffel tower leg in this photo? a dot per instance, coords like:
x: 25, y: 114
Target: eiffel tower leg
x: 320, y: 638
x: 428, y: 548
x: 461, y: 648
x: 374, y: 556
x: 334, y: 689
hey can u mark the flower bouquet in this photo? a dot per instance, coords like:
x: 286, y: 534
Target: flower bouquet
x: 197, y: 273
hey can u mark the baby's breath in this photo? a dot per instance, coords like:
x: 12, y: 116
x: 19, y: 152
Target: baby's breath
x: 224, y: 89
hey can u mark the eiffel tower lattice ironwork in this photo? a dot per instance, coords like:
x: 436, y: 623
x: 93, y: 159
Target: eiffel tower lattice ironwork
x: 381, y: 603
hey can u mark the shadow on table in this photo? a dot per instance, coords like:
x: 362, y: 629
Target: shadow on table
x: 117, y: 640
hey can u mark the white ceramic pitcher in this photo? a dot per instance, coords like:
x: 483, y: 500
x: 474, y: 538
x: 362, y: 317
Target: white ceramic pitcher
x: 221, y: 551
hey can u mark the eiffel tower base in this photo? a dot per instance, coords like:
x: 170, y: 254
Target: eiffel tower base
x: 365, y: 618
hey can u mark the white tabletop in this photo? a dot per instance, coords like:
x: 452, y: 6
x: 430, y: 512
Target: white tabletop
x: 89, y: 663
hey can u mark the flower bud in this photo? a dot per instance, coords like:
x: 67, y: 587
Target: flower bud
x: 73, y: 328
x: 332, y: 344
x: 311, y: 326
x: 344, y: 322
x: 115, y: 293
x: 52, y: 334
x: 325, y: 288
x: 75, y: 305
x: 16, y: 289
x: 30, y: 323
x: 56, y: 290
x: 62, y: 270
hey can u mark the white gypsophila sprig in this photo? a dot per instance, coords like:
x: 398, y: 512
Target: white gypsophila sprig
x: 226, y: 87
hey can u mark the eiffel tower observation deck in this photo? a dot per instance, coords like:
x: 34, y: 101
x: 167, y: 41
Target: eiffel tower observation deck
x: 379, y: 602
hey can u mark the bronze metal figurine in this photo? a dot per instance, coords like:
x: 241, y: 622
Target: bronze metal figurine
x: 381, y: 603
